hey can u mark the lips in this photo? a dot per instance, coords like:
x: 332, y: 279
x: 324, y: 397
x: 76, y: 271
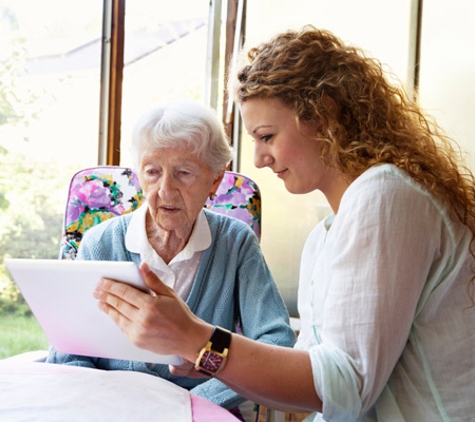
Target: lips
x: 168, y: 208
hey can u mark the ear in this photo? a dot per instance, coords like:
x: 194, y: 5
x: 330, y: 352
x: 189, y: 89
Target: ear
x: 216, y: 182
x: 332, y: 106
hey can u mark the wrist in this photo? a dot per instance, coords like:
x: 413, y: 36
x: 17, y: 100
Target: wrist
x: 197, y: 338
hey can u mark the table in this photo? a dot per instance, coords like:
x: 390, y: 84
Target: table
x: 46, y: 392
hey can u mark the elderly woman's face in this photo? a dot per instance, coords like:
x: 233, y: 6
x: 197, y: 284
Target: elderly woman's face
x: 176, y: 184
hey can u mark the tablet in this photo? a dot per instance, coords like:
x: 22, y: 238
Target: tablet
x: 59, y: 293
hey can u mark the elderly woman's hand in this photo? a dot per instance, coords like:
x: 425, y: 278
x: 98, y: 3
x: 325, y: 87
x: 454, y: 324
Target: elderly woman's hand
x: 187, y: 369
x: 161, y: 323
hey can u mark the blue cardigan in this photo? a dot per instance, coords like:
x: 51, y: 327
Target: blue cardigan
x: 232, y: 282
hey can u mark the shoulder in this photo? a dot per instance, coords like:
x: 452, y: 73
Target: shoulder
x: 387, y: 184
x: 385, y: 174
x: 106, y: 241
x: 112, y: 227
x: 386, y: 195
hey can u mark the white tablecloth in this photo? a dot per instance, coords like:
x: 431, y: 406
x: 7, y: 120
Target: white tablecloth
x: 44, y: 392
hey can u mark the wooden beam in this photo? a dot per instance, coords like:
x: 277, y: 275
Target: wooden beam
x: 116, y: 76
x: 231, y: 17
x: 413, y: 65
x: 235, y: 33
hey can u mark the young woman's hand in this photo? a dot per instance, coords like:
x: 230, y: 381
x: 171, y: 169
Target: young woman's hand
x: 160, y: 322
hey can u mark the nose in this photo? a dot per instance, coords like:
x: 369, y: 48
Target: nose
x: 262, y: 157
x: 167, y: 186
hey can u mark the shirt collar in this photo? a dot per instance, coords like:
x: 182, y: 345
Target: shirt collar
x: 136, y: 237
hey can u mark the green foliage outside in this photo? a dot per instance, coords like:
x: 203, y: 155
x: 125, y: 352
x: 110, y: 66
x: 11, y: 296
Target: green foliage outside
x: 19, y: 334
x: 32, y: 197
x: 31, y: 218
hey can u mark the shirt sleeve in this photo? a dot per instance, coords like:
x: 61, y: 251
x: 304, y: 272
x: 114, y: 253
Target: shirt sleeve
x: 378, y: 255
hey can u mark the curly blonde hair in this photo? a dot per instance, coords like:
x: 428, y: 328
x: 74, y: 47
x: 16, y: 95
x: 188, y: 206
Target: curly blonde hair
x: 365, y: 119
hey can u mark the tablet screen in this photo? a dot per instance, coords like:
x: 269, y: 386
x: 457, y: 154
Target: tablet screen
x: 60, y: 295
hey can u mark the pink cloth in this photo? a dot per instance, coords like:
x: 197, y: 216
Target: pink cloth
x: 205, y: 411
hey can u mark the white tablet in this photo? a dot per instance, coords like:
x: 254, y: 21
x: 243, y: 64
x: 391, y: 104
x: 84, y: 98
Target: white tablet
x: 59, y: 293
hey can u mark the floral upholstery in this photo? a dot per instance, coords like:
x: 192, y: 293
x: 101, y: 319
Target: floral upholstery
x: 239, y: 197
x: 95, y: 195
x: 99, y: 193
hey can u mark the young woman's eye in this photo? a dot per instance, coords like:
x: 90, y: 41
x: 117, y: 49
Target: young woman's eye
x: 266, y: 138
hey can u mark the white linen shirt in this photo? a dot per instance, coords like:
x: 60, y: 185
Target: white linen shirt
x: 181, y: 270
x: 384, y: 308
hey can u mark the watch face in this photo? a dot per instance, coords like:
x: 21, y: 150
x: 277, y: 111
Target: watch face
x: 211, y: 361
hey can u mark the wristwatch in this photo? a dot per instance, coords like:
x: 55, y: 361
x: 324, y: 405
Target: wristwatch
x: 212, y: 358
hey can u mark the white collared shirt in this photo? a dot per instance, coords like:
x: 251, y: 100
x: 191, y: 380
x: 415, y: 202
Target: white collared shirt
x: 384, y: 307
x: 181, y: 271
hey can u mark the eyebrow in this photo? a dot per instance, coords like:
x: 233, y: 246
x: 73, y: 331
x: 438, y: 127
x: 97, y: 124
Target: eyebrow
x: 260, y: 127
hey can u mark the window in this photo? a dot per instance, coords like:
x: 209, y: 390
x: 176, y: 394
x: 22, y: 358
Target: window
x: 49, y: 96
x: 447, y: 89
x: 50, y: 104
x: 49, y: 113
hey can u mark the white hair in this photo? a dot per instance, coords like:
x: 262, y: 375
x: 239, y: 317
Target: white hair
x: 183, y: 124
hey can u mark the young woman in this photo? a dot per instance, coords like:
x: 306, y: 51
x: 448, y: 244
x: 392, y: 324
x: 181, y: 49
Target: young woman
x: 386, y: 283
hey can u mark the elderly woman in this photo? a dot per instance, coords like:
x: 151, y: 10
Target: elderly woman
x: 212, y: 261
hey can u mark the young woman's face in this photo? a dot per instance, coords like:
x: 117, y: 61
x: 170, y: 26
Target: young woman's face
x: 291, y: 154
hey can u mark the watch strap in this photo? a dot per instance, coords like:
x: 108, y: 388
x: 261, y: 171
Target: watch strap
x: 220, y: 339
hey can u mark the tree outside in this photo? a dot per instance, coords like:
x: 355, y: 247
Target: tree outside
x: 33, y: 186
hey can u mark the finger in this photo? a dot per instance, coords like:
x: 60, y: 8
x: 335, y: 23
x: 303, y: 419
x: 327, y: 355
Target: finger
x: 186, y: 366
x: 122, y: 304
x: 153, y: 282
x: 118, y: 300
x: 186, y: 370
x: 116, y: 314
x: 108, y: 290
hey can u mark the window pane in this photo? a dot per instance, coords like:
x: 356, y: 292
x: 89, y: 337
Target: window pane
x: 447, y: 67
x: 49, y: 112
x: 165, y: 57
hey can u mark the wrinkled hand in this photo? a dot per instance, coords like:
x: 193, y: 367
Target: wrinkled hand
x: 187, y: 369
x: 161, y: 323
